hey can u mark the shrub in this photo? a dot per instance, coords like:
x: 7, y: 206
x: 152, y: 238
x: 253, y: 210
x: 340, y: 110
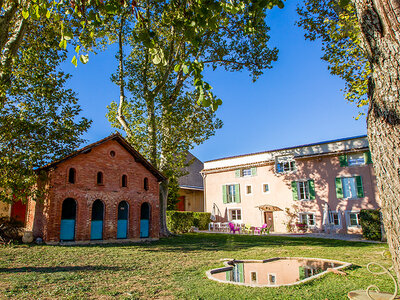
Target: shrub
x: 201, y: 220
x: 370, y: 221
x: 179, y: 221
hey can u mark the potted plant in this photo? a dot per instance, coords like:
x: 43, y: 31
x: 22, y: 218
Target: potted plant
x: 301, y: 227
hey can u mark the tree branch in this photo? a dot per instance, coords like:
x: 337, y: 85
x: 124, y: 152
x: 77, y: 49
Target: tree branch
x: 11, y: 49
x: 120, y: 114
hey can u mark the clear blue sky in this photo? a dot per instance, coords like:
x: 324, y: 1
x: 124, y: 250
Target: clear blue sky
x: 296, y: 102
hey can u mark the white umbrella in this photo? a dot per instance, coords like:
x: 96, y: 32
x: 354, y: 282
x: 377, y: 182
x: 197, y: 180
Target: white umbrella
x: 325, y: 220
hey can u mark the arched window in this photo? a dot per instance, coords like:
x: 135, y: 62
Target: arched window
x: 68, y: 219
x: 146, y: 184
x: 99, y: 178
x: 72, y: 175
x: 124, y: 181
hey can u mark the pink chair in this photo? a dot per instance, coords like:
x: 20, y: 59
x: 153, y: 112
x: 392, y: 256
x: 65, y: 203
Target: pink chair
x: 260, y: 229
x: 233, y: 228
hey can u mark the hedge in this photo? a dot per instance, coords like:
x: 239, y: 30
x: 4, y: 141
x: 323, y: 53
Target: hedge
x: 182, y: 221
x: 201, y: 220
x: 370, y: 221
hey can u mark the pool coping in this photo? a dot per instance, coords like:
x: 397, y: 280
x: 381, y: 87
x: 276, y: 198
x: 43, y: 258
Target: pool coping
x: 228, y: 267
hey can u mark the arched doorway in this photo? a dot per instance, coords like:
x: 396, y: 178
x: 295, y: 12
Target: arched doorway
x: 96, y: 231
x: 68, y: 218
x: 145, y: 220
x: 122, y: 226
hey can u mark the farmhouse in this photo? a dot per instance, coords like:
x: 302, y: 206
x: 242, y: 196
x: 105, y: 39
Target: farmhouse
x: 104, y: 191
x: 322, y: 185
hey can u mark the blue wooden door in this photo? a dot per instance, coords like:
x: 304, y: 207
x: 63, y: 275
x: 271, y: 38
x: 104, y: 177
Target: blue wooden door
x: 122, y: 226
x: 144, y: 228
x: 68, y: 216
x: 67, y: 230
x: 145, y: 220
x: 96, y: 229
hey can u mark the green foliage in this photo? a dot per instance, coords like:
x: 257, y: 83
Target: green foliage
x: 39, y: 117
x: 182, y: 221
x: 173, y: 193
x: 370, y: 220
x: 201, y: 220
x: 179, y: 221
x: 337, y: 27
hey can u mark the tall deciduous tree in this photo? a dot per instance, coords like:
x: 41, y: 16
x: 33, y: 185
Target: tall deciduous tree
x: 38, y: 115
x: 172, y: 106
x: 377, y: 29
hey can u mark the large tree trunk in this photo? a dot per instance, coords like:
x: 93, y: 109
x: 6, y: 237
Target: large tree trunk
x: 380, y: 26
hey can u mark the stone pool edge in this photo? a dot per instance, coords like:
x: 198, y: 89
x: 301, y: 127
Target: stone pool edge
x: 229, y: 267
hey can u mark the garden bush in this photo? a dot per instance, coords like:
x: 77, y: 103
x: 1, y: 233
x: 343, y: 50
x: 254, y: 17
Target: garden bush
x: 182, y: 221
x: 179, y: 221
x: 201, y: 220
x: 370, y: 221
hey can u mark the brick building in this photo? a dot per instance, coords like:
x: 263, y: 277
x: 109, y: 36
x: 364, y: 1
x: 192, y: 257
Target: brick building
x: 103, y: 191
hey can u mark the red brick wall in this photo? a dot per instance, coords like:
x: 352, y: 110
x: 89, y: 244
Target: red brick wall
x: 85, y: 191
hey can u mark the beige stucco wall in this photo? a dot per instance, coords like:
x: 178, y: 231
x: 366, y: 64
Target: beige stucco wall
x: 194, y: 199
x: 4, y: 209
x: 323, y: 170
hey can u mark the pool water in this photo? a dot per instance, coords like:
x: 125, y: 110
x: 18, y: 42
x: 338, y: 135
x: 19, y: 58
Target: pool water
x: 274, y: 272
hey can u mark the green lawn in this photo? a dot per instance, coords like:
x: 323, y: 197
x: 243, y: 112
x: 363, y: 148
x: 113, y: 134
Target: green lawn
x: 175, y: 268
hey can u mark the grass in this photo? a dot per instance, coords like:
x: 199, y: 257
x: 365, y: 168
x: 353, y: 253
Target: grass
x: 175, y: 268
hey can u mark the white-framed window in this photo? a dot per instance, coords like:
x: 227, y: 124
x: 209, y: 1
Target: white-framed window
x: 230, y: 193
x: 307, y: 218
x: 302, y: 188
x: 265, y: 188
x: 285, y: 164
x: 235, y: 214
x: 271, y: 279
x: 253, y: 277
x: 356, y: 159
x: 249, y: 189
x: 349, y: 187
x: 246, y: 172
x: 353, y: 219
x: 334, y: 219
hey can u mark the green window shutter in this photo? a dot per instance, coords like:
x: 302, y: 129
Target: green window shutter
x: 241, y: 272
x: 237, y: 194
x: 294, y: 191
x: 228, y: 275
x: 224, y: 196
x: 367, y: 157
x: 360, y: 190
x: 311, y: 189
x: 339, y: 188
x: 253, y: 171
x: 343, y: 160
x: 237, y: 173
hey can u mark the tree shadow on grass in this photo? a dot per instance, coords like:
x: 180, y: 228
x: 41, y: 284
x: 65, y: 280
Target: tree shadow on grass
x: 60, y: 269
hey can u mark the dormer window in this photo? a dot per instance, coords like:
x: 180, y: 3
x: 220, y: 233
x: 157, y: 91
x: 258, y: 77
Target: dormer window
x: 124, y: 181
x: 99, y: 178
x: 71, y: 175
x: 146, y: 183
x: 285, y: 164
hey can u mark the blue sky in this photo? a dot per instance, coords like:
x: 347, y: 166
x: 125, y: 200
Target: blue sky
x: 296, y: 102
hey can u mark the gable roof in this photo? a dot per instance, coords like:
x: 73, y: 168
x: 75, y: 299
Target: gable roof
x: 193, y: 179
x: 114, y: 137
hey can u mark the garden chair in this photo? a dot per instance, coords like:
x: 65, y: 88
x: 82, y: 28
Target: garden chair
x: 233, y: 228
x: 247, y: 229
x: 259, y: 230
